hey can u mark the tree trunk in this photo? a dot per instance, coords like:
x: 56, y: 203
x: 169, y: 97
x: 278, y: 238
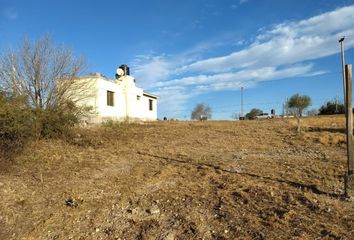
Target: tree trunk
x: 298, y: 124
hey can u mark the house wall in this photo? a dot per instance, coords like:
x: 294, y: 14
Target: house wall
x: 146, y: 112
x: 134, y: 104
x: 116, y: 111
x: 137, y: 108
x: 126, y: 103
x: 83, y: 92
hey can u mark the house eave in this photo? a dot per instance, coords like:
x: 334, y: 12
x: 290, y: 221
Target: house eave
x: 150, y: 95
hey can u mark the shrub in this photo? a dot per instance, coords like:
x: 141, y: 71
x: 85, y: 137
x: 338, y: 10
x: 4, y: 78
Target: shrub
x: 16, y: 124
x: 201, y: 112
x: 332, y: 108
x: 19, y: 123
x: 253, y: 113
x: 56, y: 122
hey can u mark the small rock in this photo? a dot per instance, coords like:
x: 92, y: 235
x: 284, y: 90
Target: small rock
x: 70, y: 202
x: 108, y: 231
x: 155, y: 210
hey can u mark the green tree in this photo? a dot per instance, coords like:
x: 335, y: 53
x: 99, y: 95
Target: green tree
x: 332, y: 107
x: 297, y: 104
x: 201, y: 112
x: 253, y: 113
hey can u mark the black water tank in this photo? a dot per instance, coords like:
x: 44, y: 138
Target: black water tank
x: 125, y: 68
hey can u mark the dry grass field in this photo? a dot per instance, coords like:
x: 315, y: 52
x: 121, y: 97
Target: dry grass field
x: 182, y: 180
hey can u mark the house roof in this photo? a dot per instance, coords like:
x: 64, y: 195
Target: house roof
x: 150, y: 95
x: 100, y: 76
x: 95, y: 75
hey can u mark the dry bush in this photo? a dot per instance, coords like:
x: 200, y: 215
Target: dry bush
x: 36, y: 81
x: 326, y: 138
x: 323, y: 122
x: 96, y: 136
x: 87, y: 137
x: 42, y: 71
x: 20, y: 123
x: 326, y: 130
x: 16, y: 125
x: 117, y: 124
x: 331, y: 139
x: 57, y: 122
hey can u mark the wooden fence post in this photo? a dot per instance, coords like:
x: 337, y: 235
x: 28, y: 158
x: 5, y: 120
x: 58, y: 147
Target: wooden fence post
x: 349, y: 178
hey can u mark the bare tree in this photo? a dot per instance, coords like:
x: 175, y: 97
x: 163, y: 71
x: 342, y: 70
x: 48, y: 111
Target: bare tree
x: 201, y: 112
x: 43, y: 73
x: 235, y: 115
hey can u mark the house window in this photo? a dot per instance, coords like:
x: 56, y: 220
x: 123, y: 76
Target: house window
x: 137, y: 97
x: 110, y: 98
x: 150, y: 104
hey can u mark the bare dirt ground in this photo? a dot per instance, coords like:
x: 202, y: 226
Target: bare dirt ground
x: 182, y: 180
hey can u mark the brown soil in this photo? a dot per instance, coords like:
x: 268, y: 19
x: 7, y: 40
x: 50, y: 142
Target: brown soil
x: 181, y: 180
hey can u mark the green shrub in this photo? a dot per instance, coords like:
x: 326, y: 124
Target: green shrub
x: 54, y: 123
x: 16, y: 124
x: 332, y: 107
x: 20, y: 123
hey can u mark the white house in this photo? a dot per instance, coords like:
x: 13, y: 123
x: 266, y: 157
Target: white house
x: 118, y: 99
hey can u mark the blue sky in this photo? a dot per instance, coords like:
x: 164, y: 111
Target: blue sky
x: 189, y: 52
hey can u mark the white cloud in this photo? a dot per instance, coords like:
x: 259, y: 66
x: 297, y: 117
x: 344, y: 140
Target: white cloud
x: 175, y: 93
x: 278, y: 52
x: 149, y: 69
x: 173, y: 99
x: 243, y: 76
x: 287, y: 43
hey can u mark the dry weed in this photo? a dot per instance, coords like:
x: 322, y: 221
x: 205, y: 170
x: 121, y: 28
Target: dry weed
x: 179, y: 180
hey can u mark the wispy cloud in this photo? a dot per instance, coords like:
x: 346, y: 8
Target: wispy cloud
x: 278, y: 52
x: 243, y: 1
x: 240, y: 2
x: 287, y: 43
x: 149, y: 69
x: 10, y: 13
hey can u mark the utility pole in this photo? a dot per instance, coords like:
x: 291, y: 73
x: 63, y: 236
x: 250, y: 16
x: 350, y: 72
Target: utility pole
x: 241, y: 102
x: 341, y: 41
x: 349, y: 177
x: 286, y: 106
